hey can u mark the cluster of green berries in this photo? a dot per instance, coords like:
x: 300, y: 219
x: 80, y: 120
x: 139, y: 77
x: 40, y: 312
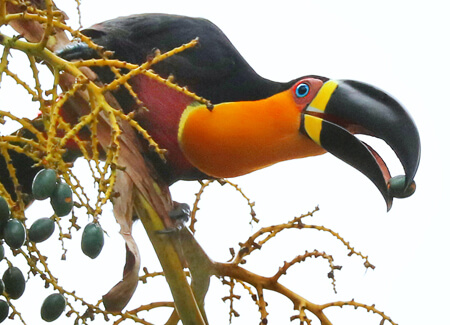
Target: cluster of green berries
x: 46, y: 184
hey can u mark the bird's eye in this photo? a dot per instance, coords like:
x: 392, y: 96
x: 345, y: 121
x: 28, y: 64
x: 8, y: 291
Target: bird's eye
x: 302, y: 90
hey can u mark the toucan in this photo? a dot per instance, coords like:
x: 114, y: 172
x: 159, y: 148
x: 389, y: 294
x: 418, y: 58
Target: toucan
x: 253, y: 122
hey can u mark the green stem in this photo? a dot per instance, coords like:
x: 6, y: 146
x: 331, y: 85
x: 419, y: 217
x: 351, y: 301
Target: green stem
x: 185, y: 303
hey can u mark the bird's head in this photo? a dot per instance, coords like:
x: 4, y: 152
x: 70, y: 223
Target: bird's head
x: 313, y: 116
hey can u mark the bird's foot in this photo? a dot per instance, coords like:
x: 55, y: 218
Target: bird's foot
x: 180, y: 214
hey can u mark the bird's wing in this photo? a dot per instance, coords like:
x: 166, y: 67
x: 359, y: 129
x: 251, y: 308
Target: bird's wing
x: 214, y: 69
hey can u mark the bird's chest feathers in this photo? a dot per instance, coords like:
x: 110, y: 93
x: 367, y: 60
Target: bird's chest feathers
x: 164, y: 107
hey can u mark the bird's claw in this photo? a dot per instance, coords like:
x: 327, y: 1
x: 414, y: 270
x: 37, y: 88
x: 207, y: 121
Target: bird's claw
x: 180, y: 214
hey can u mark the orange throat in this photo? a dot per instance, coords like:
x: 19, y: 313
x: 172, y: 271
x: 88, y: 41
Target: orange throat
x: 240, y: 137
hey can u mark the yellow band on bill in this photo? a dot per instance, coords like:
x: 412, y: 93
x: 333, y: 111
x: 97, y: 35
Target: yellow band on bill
x: 319, y: 103
x: 313, y: 127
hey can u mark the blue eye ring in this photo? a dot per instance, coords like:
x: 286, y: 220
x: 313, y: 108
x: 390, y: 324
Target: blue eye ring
x: 302, y: 90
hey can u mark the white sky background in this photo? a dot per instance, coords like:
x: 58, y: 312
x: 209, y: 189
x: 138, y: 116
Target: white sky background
x: 399, y: 46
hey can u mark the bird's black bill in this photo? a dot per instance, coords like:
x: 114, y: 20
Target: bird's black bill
x: 342, y: 108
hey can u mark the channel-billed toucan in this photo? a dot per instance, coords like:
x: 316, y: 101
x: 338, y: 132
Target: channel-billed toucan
x: 255, y: 122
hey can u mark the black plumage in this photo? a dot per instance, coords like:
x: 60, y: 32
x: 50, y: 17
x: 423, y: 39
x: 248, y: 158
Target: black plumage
x: 214, y: 69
